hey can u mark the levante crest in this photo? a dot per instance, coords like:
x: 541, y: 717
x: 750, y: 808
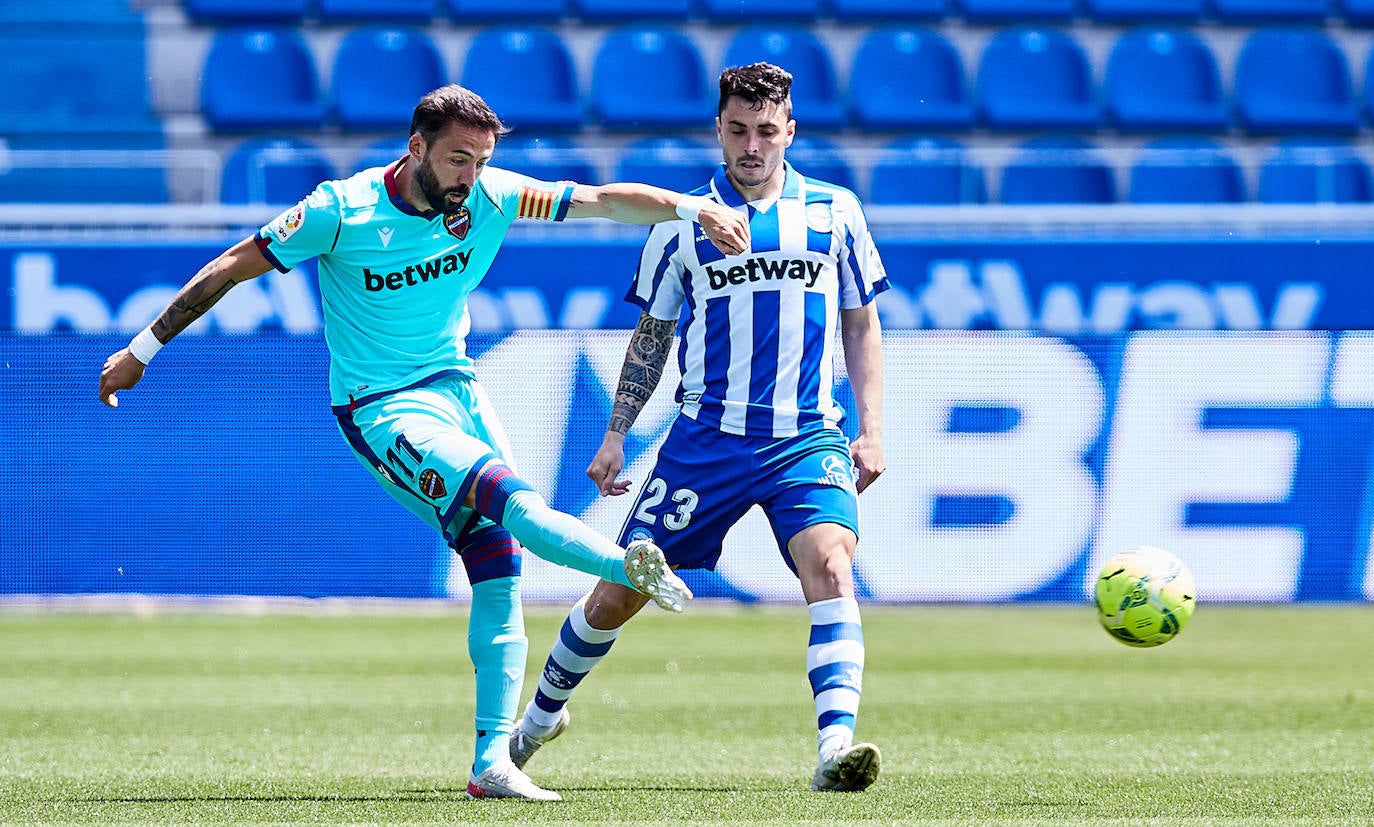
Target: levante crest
x: 458, y: 223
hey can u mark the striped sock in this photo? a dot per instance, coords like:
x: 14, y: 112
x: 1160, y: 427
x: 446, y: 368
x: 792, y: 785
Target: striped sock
x: 835, y: 666
x: 578, y: 649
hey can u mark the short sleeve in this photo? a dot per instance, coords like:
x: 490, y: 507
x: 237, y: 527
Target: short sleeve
x: 658, y: 287
x: 521, y: 196
x: 862, y: 274
x: 303, y: 231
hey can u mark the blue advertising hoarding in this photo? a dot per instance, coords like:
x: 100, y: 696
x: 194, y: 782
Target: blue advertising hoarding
x: 1017, y: 463
x: 1063, y: 287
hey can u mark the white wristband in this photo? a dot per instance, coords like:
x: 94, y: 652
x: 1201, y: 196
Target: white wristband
x: 145, y: 345
x: 689, y: 208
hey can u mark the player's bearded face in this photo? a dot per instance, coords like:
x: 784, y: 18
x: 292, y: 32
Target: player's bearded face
x: 445, y: 199
x: 753, y: 141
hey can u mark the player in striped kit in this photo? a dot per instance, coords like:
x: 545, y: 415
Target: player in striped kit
x: 758, y: 420
x: 400, y: 248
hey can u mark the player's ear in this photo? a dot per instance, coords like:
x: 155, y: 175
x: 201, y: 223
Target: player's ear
x: 417, y: 146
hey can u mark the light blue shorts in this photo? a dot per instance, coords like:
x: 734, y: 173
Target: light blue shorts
x: 425, y: 445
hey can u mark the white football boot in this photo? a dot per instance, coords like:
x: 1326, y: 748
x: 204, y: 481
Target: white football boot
x: 649, y: 572
x: 505, y: 780
x: 524, y: 745
x: 848, y: 770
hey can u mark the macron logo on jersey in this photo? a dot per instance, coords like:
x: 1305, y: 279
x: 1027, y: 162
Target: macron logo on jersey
x: 415, y: 274
x: 764, y: 269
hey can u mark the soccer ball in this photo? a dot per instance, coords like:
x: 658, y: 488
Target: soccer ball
x: 1144, y: 596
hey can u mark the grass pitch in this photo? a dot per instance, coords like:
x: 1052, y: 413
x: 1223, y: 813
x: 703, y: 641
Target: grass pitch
x: 988, y: 715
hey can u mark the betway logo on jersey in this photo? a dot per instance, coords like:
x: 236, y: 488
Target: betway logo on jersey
x: 414, y: 274
x: 759, y: 268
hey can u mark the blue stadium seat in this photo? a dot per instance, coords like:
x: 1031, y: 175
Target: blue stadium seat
x: 1033, y: 78
x: 1269, y: 11
x: 749, y: 11
x: 623, y: 10
x: 1108, y: 11
x: 857, y: 11
x: 1294, y: 80
x: 908, y: 78
x: 1358, y: 12
x: 273, y: 171
x: 649, y: 77
x: 1311, y: 171
x: 380, y: 152
x: 1164, y: 79
x: 997, y: 10
x: 548, y: 158
x: 102, y: 169
x: 821, y: 158
x: 465, y: 11
x: 392, y: 11
x: 1186, y: 170
x: 380, y: 74
x: 260, y: 79
x: 526, y: 74
x: 924, y: 170
x: 1057, y: 170
x: 815, y: 99
x: 76, y: 80
x: 222, y: 12
x: 675, y: 163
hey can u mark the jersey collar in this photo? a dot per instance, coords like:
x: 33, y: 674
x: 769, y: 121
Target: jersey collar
x: 724, y: 188
x: 393, y: 191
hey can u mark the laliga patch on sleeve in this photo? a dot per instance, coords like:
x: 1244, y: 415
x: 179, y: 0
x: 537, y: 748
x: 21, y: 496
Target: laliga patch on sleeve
x: 285, y: 225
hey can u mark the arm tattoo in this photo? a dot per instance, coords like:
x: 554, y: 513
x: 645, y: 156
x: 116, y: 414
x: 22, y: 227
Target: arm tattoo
x: 191, y: 302
x: 644, y: 361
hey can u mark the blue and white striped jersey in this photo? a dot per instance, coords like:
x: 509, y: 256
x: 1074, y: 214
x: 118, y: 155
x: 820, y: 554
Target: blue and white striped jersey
x: 757, y: 330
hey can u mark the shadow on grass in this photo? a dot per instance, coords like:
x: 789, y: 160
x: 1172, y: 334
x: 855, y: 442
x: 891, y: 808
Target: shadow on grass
x: 438, y: 794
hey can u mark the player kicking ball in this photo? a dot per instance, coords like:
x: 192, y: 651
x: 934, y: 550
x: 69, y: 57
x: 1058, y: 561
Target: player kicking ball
x: 758, y: 423
x: 400, y: 248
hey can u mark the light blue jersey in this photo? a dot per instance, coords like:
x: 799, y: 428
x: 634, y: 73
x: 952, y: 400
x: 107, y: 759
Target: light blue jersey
x: 394, y: 281
x: 758, y: 329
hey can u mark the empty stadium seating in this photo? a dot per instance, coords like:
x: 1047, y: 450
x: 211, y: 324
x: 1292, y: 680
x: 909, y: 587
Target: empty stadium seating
x: 1113, y: 11
x: 926, y: 170
x: 938, y: 73
x: 815, y: 98
x: 1294, y: 80
x: 1307, y: 170
x: 548, y: 158
x: 744, y: 11
x: 244, y: 64
x: 821, y: 158
x: 527, y: 76
x: 482, y: 11
x: 1159, y: 79
x: 908, y: 78
x: 1036, y: 78
x: 392, y: 11
x: 676, y: 163
x: 380, y: 73
x: 379, y: 153
x: 1186, y: 170
x: 269, y: 170
x: 1057, y: 170
x: 650, y: 77
x: 92, y: 169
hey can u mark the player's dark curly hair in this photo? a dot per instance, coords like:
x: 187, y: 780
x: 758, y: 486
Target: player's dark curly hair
x: 454, y: 104
x: 757, y: 84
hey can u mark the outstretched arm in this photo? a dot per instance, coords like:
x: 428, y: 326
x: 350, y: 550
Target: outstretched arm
x: 124, y: 367
x: 863, y: 357
x: 639, y: 376
x: 643, y: 204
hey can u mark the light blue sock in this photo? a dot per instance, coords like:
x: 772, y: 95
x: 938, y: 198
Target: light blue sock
x: 562, y: 538
x: 497, y: 646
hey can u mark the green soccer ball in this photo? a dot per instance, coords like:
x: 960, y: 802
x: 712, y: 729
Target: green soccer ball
x: 1144, y: 596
